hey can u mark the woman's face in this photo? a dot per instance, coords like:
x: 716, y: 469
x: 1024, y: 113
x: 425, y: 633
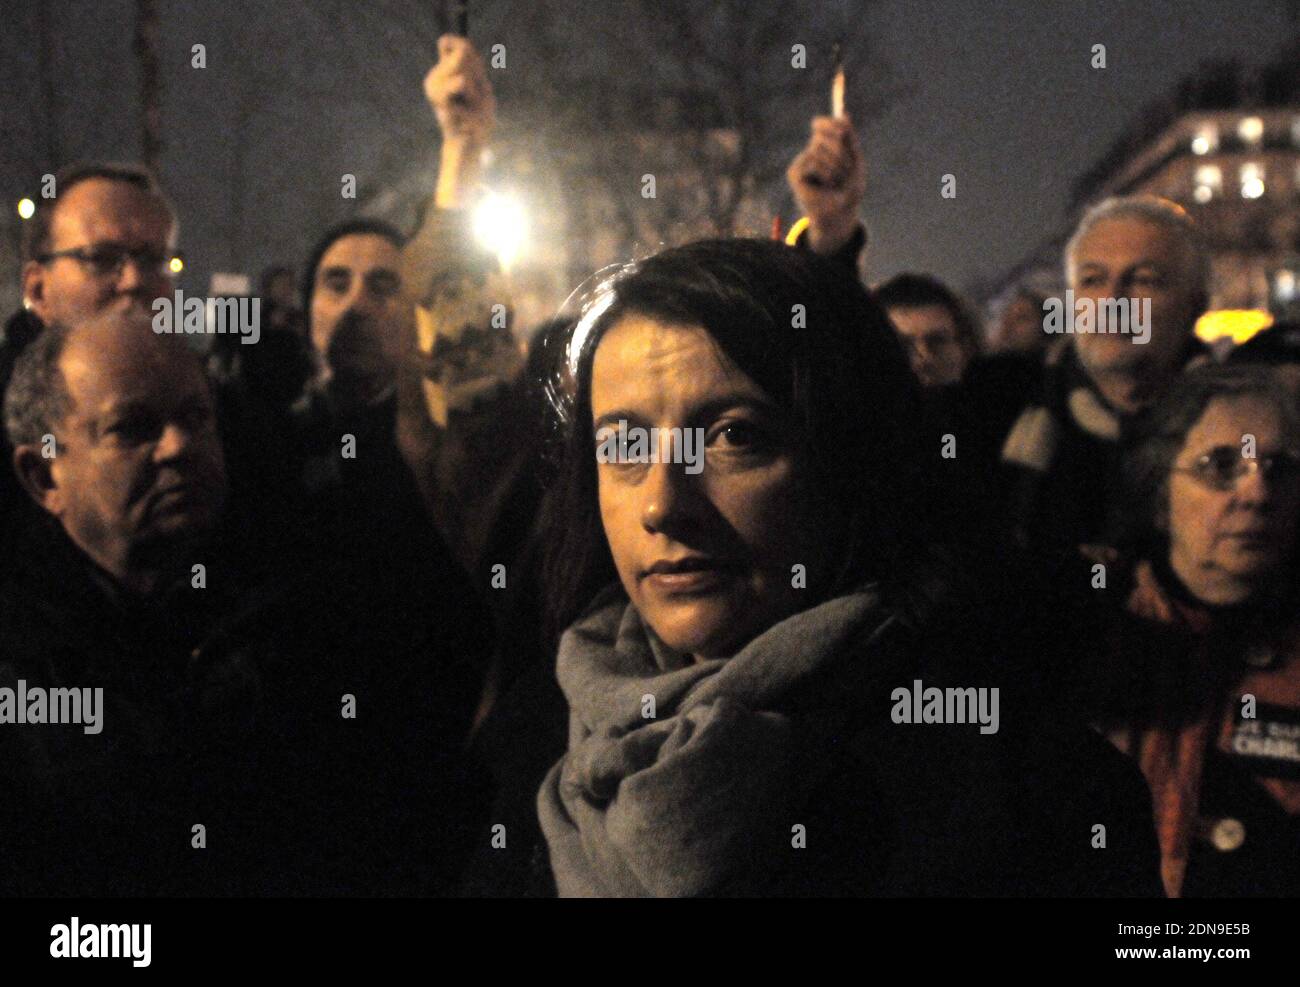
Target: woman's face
x: 705, y: 542
x: 1225, y: 543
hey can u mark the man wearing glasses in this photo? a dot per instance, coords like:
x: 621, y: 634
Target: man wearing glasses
x: 105, y: 242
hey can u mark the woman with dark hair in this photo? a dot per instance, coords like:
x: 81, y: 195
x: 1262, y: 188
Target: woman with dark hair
x: 737, y: 554
x: 1197, y: 675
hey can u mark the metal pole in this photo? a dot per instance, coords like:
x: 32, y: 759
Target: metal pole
x: 145, y: 46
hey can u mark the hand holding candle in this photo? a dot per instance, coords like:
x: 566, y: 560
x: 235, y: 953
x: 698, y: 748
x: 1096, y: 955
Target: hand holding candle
x: 461, y: 96
x: 458, y: 89
x: 829, y: 179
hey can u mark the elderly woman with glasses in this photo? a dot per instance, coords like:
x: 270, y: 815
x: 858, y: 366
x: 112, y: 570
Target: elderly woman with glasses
x: 1197, y: 676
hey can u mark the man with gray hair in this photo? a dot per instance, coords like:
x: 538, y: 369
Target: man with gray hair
x: 114, y: 432
x: 1036, y: 431
x: 1052, y: 421
x: 117, y: 582
x: 229, y: 758
x: 102, y: 241
x: 1144, y: 248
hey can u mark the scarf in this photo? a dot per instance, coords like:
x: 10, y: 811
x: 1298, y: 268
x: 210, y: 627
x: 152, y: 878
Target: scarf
x: 1171, y: 749
x: 1067, y: 408
x: 678, y: 772
x: 1065, y: 395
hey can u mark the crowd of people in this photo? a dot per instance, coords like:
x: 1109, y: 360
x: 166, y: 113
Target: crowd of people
x: 371, y: 614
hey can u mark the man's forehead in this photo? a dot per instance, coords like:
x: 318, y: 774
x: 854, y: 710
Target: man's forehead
x: 362, y: 252
x: 919, y: 318
x: 104, y: 368
x: 1128, y: 238
x: 105, y: 209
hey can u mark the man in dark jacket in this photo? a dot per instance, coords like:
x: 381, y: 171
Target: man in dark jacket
x: 364, y: 502
x: 20, y: 330
x: 263, y: 727
x: 1035, y: 437
x: 1053, y: 424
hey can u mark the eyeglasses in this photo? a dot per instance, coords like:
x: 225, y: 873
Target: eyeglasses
x: 107, y: 260
x: 1221, y: 468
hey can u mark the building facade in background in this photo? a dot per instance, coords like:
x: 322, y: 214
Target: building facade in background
x: 1226, y: 146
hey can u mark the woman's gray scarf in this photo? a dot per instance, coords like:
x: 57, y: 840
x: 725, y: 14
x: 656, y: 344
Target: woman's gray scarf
x: 679, y: 773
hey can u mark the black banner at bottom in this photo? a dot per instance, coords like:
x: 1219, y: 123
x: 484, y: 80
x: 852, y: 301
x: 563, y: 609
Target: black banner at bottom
x: 133, y: 939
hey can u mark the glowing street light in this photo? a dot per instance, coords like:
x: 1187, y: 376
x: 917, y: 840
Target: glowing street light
x: 500, y: 226
x: 176, y: 265
x: 26, y: 208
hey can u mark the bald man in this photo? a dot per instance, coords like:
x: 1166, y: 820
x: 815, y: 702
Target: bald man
x: 103, y: 241
x: 115, y: 436
x: 239, y: 704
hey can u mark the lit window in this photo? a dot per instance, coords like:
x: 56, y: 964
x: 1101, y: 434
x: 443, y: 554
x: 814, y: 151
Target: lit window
x: 1252, y: 181
x: 1251, y: 130
x: 1209, y: 182
x: 1285, y: 285
x: 1206, y: 139
x: 1211, y: 175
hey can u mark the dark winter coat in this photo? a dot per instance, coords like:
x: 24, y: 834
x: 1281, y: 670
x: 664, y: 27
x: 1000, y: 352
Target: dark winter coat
x: 267, y: 705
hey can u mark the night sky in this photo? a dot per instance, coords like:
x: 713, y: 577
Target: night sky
x: 1001, y: 94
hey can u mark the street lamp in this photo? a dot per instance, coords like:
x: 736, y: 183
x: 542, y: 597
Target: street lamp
x: 500, y: 225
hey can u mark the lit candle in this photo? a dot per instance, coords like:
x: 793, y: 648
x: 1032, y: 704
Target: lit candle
x: 837, y: 85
